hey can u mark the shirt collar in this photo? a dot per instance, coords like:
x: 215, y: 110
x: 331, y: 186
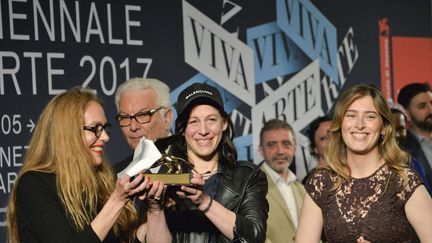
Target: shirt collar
x: 276, y: 177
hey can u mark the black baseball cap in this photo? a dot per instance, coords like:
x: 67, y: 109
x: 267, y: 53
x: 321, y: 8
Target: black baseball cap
x: 199, y: 93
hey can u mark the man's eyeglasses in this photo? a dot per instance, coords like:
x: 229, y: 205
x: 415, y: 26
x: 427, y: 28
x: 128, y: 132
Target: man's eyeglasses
x: 98, y: 129
x: 140, y: 117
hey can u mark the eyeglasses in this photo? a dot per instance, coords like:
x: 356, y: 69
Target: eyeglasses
x: 98, y: 129
x: 140, y: 117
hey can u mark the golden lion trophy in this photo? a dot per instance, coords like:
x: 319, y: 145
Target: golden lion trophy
x: 156, y: 160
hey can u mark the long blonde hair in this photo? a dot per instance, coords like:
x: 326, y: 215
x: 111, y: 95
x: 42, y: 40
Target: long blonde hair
x: 336, y: 151
x: 57, y: 146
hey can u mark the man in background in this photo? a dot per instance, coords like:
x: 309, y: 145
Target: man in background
x: 400, y: 122
x: 416, y: 98
x: 285, y: 193
x: 144, y: 110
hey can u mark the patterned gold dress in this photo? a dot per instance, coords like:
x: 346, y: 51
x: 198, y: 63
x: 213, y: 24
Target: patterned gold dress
x: 372, y: 207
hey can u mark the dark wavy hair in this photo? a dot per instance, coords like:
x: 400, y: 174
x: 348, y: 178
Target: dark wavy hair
x: 313, y: 126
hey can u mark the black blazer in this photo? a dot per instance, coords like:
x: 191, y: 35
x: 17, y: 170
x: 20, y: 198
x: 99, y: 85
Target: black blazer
x: 41, y: 216
x: 413, y: 147
x: 118, y: 167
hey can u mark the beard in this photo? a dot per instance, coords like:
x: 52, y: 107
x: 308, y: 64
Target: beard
x: 425, y: 124
x: 278, y: 158
x: 274, y: 161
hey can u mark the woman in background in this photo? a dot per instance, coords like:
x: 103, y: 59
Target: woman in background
x: 319, y: 135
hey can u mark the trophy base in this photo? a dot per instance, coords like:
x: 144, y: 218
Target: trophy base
x: 172, y: 179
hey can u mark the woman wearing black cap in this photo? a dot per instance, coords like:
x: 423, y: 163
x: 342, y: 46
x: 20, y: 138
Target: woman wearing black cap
x: 228, y: 202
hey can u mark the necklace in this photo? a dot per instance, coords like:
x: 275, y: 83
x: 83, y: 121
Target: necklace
x: 208, y: 173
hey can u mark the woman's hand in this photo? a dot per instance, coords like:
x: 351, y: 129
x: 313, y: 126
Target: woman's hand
x: 196, y: 194
x: 125, y: 188
x: 155, y: 227
x: 156, y: 196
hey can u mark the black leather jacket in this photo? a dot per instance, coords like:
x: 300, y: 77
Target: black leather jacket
x: 242, y: 190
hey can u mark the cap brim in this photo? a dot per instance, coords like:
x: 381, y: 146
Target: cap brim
x: 202, y: 100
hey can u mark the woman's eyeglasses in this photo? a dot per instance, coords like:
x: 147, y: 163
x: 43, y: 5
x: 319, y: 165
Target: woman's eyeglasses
x: 98, y: 129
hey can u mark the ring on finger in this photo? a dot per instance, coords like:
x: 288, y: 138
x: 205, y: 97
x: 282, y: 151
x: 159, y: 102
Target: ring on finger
x: 157, y: 198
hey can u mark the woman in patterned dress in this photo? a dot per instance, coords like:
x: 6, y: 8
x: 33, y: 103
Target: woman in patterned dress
x: 368, y: 193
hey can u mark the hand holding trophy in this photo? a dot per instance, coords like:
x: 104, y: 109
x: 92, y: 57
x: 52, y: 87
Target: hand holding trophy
x: 155, y: 159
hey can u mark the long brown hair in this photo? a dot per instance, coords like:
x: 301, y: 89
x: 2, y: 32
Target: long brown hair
x: 336, y: 151
x: 57, y: 146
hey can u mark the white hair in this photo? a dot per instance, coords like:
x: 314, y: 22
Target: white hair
x: 161, y: 89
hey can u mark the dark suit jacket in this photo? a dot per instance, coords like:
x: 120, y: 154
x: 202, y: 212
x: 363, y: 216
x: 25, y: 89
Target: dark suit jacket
x: 122, y: 164
x: 413, y: 147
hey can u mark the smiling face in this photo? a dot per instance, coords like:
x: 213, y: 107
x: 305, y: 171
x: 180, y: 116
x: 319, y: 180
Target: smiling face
x: 94, y: 115
x: 204, y: 132
x: 361, y: 127
x: 278, y: 149
x: 134, y: 101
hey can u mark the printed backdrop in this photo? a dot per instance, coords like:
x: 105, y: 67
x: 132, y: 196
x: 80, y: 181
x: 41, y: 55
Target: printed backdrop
x: 286, y: 59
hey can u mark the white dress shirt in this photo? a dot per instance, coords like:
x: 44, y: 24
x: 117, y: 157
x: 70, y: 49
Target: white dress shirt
x: 285, y: 188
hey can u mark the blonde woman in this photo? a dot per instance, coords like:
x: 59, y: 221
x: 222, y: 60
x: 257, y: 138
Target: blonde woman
x: 368, y: 193
x: 66, y: 191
